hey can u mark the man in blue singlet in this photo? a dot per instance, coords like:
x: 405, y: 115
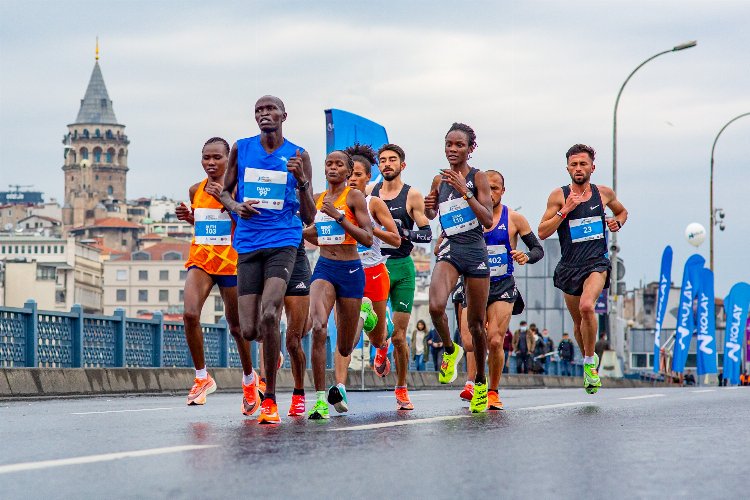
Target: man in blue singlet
x: 576, y: 212
x: 264, y: 175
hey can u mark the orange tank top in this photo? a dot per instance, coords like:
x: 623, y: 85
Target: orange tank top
x: 211, y: 249
x: 329, y: 231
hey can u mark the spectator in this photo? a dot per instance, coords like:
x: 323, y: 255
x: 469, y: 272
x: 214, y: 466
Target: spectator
x: 540, y: 351
x: 601, y: 345
x: 689, y: 378
x: 549, y: 348
x: 507, y: 348
x: 566, y: 351
x: 436, y: 348
x: 523, y: 346
x: 418, y: 339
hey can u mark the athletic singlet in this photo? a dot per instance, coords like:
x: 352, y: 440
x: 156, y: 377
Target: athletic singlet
x: 498, y: 248
x: 581, y: 233
x: 329, y: 231
x: 400, y: 214
x: 458, y: 220
x: 371, y: 256
x: 211, y: 248
x: 263, y: 176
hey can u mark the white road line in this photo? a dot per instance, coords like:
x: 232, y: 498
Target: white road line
x: 645, y: 396
x: 45, y: 464
x: 402, y: 422
x: 703, y: 390
x: 120, y: 411
x: 558, y: 405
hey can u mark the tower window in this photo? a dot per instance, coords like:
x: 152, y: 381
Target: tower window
x: 84, y: 154
x: 108, y: 134
x: 110, y: 191
x: 109, y: 157
x: 97, y: 132
x: 97, y: 155
x: 86, y: 133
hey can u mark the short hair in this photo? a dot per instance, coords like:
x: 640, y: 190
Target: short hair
x: 502, y: 178
x: 363, y: 154
x: 393, y: 147
x: 349, y: 160
x: 523, y: 322
x: 275, y: 99
x: 462, y: 127
x: 578, y: 149
x: 218, y: 139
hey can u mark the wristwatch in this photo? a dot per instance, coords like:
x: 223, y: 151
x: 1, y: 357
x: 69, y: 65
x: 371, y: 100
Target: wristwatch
x: 340, y: 219
x: 468, y: 195
x: 304, y: 186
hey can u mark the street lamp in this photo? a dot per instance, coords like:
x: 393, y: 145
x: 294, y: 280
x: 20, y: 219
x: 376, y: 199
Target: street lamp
x: 614, y: 248
x: 718, y: 212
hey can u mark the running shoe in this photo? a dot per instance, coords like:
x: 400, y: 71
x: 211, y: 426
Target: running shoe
x: 269, y: 412
x: 337, y: 397
x: 402, y: 399
x: 297, y: 408
x: 468, y: 392
x: 381, y: 364
x: 319, y: 411
x: 448, y: 369
x: 493, y: 401
x: 202, y: 387
x: 479, y: 400
x: 250, y: 396
x: 368, y: 315
x: 591, y: 380
x: 262, y: 388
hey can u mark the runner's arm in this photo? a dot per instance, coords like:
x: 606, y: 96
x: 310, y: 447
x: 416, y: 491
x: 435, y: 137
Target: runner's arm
x: 185, y: 213
x: 483, y: 205
x: 415, y: 208
x: 536, y: 252
x: 384, y: 218
x: 310, y: 233
x: 618, y: 210
x: 363, y: 231
x: 550, y: 220
x: 230, y: 181
x: 431, y: 200
x: 306, y: 202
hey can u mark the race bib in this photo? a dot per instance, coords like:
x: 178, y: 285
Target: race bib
x: 366, y: 254
x: 586, y: 229
x: 329, y: 231
x: 212, y: 227
x: 498, y: 258
x: 268, y: 187
x: 456, y: 216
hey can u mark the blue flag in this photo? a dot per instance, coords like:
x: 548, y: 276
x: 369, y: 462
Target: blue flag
x: 343, y: 129
x: 685, y: 316
x: 736, y: 307
x: 665, y: 281
x: 706, y: 324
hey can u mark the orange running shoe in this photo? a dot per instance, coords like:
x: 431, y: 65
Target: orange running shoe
x: 297, y: 408
x: 468, y: 392
x: 250, y: 396
x: 269, y: 412
x: 493, y: 401
x: 381, y: 364
x: 202, y: 387
x: 402, y: 399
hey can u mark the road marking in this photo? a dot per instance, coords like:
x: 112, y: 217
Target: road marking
x: 119, y: 411
x: 645, y: 396
x: 88, y: 459
x: 558, y: 405
x: 402, y: 422
x: 704, y: 390
x: 413, y: 395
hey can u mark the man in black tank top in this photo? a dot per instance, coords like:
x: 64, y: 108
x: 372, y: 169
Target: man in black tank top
x: 406, y: 205
x: 576, y: 213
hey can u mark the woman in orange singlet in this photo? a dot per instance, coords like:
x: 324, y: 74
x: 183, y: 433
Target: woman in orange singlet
x: 212, y: 261
x: 341, y: 222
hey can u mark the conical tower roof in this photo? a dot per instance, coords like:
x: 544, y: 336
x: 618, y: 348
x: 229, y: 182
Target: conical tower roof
x: 96, y: 106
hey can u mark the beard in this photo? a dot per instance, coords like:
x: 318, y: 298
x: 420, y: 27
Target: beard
x: 390, y: 175
x: 494, y: 205
x: 581, y: 181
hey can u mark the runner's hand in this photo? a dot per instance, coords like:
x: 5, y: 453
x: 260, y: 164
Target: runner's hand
x: 183, y: 213
x: 573, y: 201
x: 214, y: 189
x: 613, y: 225
x: 245, y: 209
x: 328, y: 209
x: 455, y: 180
x: 430, y: 201
x: 294, y: 166
x: 519, y: 257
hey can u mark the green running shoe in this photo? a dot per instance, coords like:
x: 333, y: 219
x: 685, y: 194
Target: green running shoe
x: 368, y: 315
x: 448, y: 372
x: 319, y: 411
x: 591, y: 380
x: 479, y: 399
x: 337, y: 397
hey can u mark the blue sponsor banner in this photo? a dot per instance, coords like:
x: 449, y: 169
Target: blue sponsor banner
x: 706, y: 324
x: 685, y: 314
x: 344, y: 129
x: 736, y: 307
x: 665, y: 283
x: 601, y: 305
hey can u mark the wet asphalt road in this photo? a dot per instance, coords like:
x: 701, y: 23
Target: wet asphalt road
x: 548, y: 443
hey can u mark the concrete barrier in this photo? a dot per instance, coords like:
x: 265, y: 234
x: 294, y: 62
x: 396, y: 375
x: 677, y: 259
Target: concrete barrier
x: 52, y: 382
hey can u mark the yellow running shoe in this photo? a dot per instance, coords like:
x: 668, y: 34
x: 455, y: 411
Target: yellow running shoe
x: 448, y: 372
x: 479, y: 400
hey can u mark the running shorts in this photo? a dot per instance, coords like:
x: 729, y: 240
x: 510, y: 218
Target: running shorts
x: 346, y: 276
x: 403, y: 283
x: 570, y: 279
x: 254, y: 268
x: 377, y: 283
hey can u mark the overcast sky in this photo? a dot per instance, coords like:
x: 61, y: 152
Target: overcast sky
x: 532, y: 78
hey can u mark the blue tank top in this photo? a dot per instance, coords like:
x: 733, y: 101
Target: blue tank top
x: 498, y: 248
x: 263, y: 176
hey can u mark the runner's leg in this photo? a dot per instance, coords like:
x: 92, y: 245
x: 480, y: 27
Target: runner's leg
x: 477, y: 290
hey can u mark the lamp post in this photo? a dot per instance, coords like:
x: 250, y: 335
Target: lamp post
x: 711, y: 197
x: 614, y: 248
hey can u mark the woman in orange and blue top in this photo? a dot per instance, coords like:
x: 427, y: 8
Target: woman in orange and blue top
x: 342, y: 221
x: 212, y: 261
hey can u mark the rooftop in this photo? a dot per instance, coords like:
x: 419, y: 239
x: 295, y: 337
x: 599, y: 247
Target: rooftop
x: 96, y: 106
